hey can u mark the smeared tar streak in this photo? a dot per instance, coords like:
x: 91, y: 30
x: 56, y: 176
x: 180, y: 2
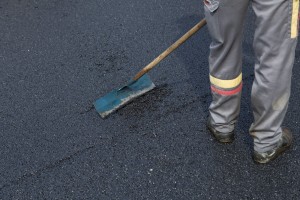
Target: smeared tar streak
x: 148, y: 102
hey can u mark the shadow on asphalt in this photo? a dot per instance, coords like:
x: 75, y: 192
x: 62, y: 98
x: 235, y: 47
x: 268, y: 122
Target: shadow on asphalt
x: 194, y: 56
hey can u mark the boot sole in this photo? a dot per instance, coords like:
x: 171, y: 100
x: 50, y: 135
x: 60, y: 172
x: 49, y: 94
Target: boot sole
x: 280, y: 152
x: 225, y: 140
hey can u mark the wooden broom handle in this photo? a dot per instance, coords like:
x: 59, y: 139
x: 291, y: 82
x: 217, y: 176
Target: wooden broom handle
x: 174, y: 46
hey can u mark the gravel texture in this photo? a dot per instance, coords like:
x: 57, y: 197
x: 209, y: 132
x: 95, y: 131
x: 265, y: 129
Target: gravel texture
x: 57, y: 57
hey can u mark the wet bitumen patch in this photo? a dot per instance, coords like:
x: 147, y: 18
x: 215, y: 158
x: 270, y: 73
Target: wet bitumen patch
x: 151, y: 101
x: 160, y: 103
x: 109, y: 63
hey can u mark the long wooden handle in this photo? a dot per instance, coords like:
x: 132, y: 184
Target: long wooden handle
x: 174, y: 46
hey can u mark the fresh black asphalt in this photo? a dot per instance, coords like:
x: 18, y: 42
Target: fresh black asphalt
x: 58, y: 56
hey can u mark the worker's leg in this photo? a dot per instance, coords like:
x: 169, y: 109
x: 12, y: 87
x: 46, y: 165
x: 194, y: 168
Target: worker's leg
x: 274, y: 44
x: 225, y: 25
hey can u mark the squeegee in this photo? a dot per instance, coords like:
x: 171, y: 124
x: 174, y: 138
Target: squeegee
x: 141, y: 82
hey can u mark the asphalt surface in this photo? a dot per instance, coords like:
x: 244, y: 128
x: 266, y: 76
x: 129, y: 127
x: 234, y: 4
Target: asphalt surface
x: 58, y: 56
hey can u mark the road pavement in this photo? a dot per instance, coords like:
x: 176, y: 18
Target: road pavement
x: 57, y: 57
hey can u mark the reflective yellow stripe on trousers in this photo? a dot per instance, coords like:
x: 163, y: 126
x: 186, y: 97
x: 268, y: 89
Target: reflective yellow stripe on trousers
x: 226, y: 84
x: 294, y: 22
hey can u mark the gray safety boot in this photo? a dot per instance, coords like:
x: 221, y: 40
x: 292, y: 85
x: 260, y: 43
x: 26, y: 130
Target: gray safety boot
x: 283, y: 144
x: 221, y: 137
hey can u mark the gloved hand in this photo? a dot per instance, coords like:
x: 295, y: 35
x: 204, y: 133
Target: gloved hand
x: 212, y: 5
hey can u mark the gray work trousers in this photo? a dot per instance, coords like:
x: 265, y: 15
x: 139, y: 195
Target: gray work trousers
x: 274, y: 44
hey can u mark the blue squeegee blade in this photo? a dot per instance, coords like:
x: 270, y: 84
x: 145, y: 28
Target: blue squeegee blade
x: 120, y: 97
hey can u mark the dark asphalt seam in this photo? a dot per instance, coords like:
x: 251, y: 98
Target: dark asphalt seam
x: 47, y: 167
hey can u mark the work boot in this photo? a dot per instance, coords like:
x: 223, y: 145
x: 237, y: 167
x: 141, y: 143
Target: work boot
x: 283, y: 144
x: 221, y: 137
